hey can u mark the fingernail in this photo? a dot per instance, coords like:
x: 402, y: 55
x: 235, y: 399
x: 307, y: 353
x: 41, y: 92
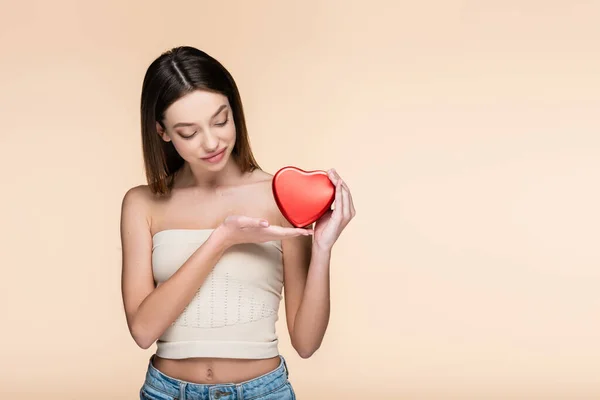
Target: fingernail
x: 264, y: 223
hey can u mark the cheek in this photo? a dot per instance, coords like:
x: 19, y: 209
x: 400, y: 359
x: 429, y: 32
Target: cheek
x: 184, y: 148
x: 229, y: 133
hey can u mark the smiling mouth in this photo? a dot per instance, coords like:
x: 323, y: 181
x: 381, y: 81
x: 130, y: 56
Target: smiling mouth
x: 214, y: 154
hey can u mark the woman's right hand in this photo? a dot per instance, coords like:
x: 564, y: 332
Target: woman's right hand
x: 237, y: 229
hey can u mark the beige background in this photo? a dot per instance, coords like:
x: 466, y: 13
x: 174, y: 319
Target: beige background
x: 468, y: 132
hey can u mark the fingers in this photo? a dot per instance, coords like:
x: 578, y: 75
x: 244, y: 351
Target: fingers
x: 249, y: 222
x: 289, y: 232
x: 333, y: 176
x: 347, y: 196
x: 263, y: 223
x: 245, y: 222
x: 349, y: 200
x: 346, y: 204
x: 338, y: 202
x: 303, y: 231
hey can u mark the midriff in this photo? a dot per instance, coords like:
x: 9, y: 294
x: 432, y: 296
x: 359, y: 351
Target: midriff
x: 215, y: 370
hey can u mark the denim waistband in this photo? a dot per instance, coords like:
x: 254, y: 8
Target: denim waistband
x: 247, y: 390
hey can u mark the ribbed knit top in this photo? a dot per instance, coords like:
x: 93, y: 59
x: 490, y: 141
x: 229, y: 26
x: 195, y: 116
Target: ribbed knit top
x: 234, y: 311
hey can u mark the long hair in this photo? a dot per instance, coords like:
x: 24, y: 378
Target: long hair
x: 172, y: 75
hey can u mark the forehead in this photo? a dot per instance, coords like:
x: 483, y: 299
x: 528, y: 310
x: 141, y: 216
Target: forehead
x: 198, y: 105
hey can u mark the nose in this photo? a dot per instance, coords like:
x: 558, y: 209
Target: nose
x: 211, y: 142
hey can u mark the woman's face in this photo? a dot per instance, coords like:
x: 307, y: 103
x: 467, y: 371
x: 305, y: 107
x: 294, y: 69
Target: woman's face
x: 201, y: 127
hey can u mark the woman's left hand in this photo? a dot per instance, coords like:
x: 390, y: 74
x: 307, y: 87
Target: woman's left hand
x: 329, y: 227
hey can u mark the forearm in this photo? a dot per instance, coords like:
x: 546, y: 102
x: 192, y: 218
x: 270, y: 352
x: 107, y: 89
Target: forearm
x: 165, y: 303
x: 312, y: 317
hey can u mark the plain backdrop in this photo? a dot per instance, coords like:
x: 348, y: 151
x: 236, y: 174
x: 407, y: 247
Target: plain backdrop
x: 467, y: 131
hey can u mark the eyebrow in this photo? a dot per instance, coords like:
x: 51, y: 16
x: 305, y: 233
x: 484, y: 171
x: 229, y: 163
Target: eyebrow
x: 179, y: 124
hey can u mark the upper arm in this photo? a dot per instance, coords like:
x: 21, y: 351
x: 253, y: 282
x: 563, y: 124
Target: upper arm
x: 296, y: 260
x: 137, y: 280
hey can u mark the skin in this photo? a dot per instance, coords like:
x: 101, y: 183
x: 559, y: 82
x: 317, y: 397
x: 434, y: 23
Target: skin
x: 219, y: 196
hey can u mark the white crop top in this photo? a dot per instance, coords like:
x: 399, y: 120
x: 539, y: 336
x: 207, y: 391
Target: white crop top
x: 233, y: 314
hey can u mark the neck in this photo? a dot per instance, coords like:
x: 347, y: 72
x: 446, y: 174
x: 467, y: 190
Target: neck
x: 200, y: 176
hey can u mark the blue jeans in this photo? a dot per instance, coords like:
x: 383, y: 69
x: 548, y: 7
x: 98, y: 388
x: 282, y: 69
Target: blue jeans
x: 270, y: 386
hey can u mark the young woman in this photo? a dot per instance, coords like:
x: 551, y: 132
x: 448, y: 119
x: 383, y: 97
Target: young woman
x: 206, y: 252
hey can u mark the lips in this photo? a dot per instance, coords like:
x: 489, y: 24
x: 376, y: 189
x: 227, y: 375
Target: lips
x: 214, y: 154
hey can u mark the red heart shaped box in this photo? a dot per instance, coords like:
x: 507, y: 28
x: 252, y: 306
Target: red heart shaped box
x: 302, y: 196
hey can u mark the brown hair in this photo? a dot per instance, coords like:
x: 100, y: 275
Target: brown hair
x: 172, y: 75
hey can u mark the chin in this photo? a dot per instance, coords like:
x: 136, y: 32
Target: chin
x: 215, y: 168
x: 218, y: 165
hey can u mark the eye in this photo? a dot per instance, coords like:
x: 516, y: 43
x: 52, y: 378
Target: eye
x: 223, y: 123
x: 189, y: 136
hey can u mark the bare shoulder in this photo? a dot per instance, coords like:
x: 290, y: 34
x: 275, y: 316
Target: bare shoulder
x: 137, y: 200
x: 261, y: 182
x: 261, y: 176
x: 140, y: 195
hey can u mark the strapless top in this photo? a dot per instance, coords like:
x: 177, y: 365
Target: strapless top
x: 233, y: 313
